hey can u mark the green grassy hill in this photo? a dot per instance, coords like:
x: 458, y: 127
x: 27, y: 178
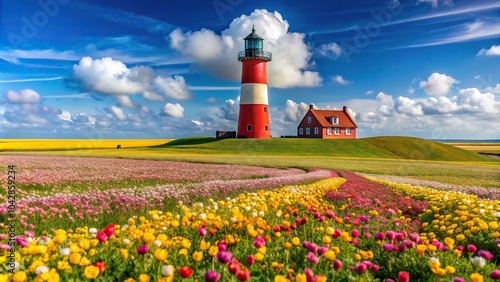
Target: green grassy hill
x: 374, y: 147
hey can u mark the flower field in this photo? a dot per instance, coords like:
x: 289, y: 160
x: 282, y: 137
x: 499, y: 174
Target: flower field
x: 253, y: 224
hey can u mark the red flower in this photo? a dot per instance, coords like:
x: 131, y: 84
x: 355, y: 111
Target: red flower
x: 101, y: 265
x: 185, y: 271
x: 102, y: 237
x: 403, y: 276
x: 243, y: 274
x: 109, y: 230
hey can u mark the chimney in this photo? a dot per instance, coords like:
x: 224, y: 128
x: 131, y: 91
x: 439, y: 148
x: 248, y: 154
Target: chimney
x: 344, y: 109
x: 311, y: 107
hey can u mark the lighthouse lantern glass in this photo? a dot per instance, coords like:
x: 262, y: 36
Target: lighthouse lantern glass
x: 253, y: 47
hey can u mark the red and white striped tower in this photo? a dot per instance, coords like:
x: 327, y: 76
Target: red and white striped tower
x: 253, y: 120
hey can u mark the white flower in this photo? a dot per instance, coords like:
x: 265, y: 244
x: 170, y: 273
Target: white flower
x: 157, y: 243
x: 180, y: 202
x: 41, y: 269
x: 29, y: 239
x: 203, y: 215
x: 234, y: 219
x: 93, y: 230
x: 481, y: 205
x: 278, y: 214
x: 126, y: 241
x: 481, y: 210
x: 434, y: 259
x: 125, y: 226
x: 228, y: 199
x: 478, y: 261
x: 496, y: 214
x: 167, y: 270
x: 64, y: 251
x: 233, y: 200
x: 261, y: 213
x: 209, y: 208
x: 164, y: 228
x: 16, y: 266
x: 247, y: 208
x: 254, y: 214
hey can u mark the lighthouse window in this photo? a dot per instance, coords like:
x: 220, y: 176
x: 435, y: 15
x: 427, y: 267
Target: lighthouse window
x: 266, y: 127
x: 265, y: 109
x: 249, y: 127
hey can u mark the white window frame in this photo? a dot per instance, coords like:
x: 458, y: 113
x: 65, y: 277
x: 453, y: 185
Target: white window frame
x: 334, y: 120
x: 316, y: 130
x: 301, y: 131
x: 329, y: 131
x: 309, y: 119
x: 337, y: 131
x: 347, y: 131
x: 308, y: 130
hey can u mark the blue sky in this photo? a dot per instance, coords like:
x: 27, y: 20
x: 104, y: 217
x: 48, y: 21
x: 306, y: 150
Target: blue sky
x: 153, y: 69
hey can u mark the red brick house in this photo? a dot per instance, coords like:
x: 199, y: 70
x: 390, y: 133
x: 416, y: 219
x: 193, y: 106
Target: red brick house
x: 327, y: 124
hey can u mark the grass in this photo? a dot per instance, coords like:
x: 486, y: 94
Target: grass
x: 400, y: 156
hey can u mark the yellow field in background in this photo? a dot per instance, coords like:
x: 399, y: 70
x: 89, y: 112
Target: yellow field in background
x: 478, y: 147
x: 72, y: 144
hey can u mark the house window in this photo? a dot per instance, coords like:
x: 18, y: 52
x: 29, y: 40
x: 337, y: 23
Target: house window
x: 266, y: 127
x: 347, y: 131
x: 308, y: 119
x: 329, y: 131
x: 337, y: 130
x: 334, y: 120
x: 265, y: 109
x: 249, y: 127
x: 301, y: 131
x: 308, y: 131
x: 316, y: 130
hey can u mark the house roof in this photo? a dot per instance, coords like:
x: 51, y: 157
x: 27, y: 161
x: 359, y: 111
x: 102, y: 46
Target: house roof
x: 323, y: 116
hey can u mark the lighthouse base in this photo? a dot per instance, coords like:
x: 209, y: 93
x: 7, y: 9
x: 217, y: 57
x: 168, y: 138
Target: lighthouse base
x: 253, y: 121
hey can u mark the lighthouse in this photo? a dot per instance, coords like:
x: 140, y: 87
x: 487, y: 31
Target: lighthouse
x: 253, y: 120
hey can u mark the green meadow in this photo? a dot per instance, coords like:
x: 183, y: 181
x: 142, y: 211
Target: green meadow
x: 400, y: 156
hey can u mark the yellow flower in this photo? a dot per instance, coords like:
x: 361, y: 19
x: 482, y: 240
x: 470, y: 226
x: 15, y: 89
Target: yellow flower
x: 144, y: 278
x: 92, y: 252
x: 460, y: 237
x: 287, y: 245
x: 20, y: 276
x: 148, y: 237
x: 296, y: 241
x: 327, y: 239
x: 330, y: 230
x: 161, y: 254
x: 4, y: 277
x: 357, y: 257
x: 280, y: 278
x: 450, y: 269
x: 213, y: 250
x: 60, y: 236
x: 204, y: 245
x: 75, y: 258
x: 301, y: 277
x: 84, y: 262
x: 330, y: 255
x: 183, y: 252
x: 197, y: 256
x: 262, y: 250
x: 124, y: 253
x: 91, y: 272
x: 476, y: 277
x: 63, y: 265
x: 84, y: 244
x: 259, y: 257
x: 35, y: 264
x: 129, y: 280
x: 185, y: 243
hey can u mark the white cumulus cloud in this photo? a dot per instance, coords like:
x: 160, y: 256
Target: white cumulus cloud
x: 493, y: 51
x: 438, y: 84
x: 218, y: 53
x: 173, y: 110
x: 330, y: 50
x: 124, y: 101
x: 338, y: 79
x: 295, y: 111
x: 25, y: 96
x: 231, y: 110
x: 118, y: 112
x: 112, y: 77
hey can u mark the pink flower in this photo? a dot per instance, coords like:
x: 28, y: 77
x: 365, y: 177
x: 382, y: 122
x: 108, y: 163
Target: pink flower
x: 355, y: 233
x: 202, y: 231
x: 312, y: 258
x: 143, y: 249
x: 259, y: 242
x: 101, y: 236
x: 337, y: 265
x: 388, y: 247
x: 250, y: 260
x: 361, y: 268
x: 457, y: 279
x: 211, y: 276
x: 414, y: 237
x: 485, y: 254
x: 495, y: 274
x: 471, y: 248
x: 224, y: 257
